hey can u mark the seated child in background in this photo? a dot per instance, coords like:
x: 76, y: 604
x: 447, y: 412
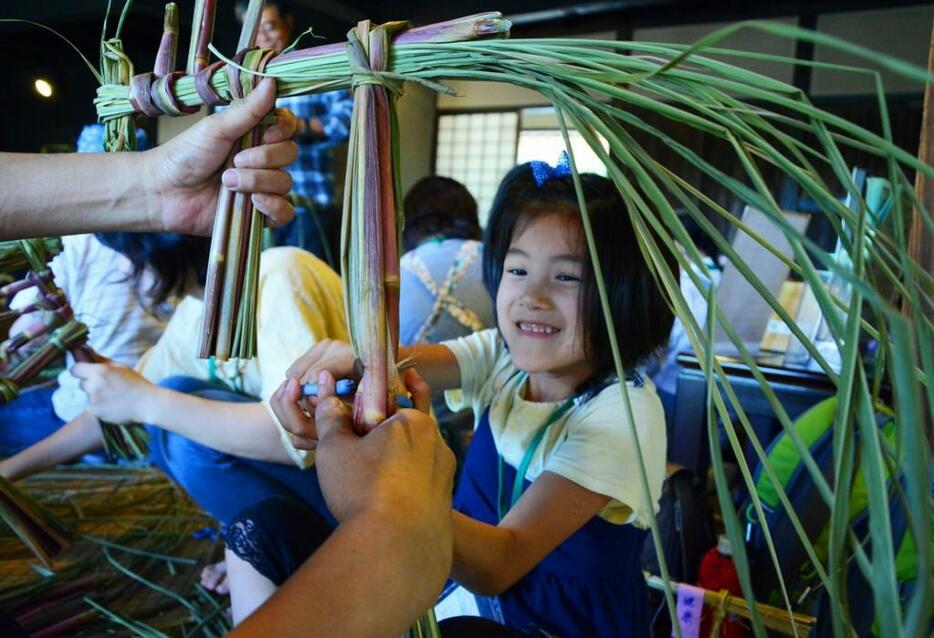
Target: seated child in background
x: 441, y: 292
x: 550, y: 513
x: 118, y: 284
x: 209, y: 422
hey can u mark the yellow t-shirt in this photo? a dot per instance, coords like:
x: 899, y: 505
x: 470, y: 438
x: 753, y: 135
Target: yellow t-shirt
x: 590, y: 445
x: 300, y: 302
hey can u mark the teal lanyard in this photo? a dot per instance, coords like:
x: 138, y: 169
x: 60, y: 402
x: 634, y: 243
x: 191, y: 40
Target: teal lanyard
x: 236, y: 385
x: 526, y: 461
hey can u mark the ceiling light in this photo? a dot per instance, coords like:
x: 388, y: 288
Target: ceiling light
x: 43, y: 88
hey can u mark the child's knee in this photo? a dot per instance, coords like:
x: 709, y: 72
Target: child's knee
x: 276, y: 536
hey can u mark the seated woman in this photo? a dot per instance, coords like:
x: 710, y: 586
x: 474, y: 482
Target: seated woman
x: 226, y: 456
x: 441, y: 293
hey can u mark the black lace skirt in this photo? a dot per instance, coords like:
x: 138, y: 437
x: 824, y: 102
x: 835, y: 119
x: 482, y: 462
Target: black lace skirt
x: 276, y: 536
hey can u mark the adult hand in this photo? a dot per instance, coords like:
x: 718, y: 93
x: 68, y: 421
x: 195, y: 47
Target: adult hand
x: 184, y: 174
x: 402, y: 466
x: 116, y: 394
x: 388, y: 559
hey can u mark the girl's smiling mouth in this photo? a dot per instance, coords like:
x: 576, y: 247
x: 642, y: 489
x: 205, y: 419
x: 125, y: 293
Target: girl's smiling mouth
x: 536, y: 329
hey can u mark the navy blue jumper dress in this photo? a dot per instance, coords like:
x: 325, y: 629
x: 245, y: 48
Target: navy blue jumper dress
x: 590, y: 585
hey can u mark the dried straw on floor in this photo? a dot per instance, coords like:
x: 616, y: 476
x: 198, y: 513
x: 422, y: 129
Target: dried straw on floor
x: 134, y: 569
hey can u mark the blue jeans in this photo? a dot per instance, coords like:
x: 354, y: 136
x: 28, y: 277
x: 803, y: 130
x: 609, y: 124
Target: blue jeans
x: 221, y: 483
x: 26, y: 420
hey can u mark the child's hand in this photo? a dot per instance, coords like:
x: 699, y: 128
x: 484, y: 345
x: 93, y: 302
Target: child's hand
x: 297, y: 414
x: 116, y: 394
x: 328, y: 355
x: 419, y: 390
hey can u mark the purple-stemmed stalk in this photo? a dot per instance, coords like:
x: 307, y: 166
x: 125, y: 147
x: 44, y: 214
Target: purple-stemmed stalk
x: 472, y: 27
x: 231, y: 240
x: 168, y: 46
x: 202, y: 28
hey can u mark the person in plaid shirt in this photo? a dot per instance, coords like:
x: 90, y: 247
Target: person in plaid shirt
x: 323, y: 124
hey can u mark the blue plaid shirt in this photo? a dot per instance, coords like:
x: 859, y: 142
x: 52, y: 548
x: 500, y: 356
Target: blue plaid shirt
x: 313, y: 171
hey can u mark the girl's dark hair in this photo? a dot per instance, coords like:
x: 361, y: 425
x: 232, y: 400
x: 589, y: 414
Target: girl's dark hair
x: 642, y: 317
x: 178, y: 262
x: 439, y: 206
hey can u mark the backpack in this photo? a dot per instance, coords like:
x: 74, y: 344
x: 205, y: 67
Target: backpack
x: 685, y: 526
x: 815, y: 428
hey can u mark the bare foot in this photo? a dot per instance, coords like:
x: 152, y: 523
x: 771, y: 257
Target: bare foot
x: 214, y: 578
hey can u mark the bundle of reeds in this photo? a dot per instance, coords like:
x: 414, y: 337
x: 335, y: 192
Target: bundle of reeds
x: 57, y: 334
x: 66, y: 333
x: 370, y: 234
x: 132, y: 567
x: 598, y: 89
x: 13, y: 258
x: 775, y: 619
x: 228, y: 325
x: 43, y: 534
x: 127, y: 442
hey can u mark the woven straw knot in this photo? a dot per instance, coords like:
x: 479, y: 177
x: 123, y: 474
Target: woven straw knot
x: 360, y: 76
x: 155, y: 96
x: 240, y: 84
x: 369, y: 61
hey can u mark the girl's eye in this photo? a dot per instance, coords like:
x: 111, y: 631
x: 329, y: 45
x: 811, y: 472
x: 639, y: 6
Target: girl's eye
x: 518, y: 272
x: 568, y: 277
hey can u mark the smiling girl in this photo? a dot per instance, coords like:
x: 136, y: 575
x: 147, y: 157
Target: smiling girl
x: 549, y: 521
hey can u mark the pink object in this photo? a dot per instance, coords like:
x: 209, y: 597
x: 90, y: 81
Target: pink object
x: 690, y: 609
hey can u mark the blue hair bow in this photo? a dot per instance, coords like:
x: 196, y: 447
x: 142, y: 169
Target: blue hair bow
x: 543, y: 171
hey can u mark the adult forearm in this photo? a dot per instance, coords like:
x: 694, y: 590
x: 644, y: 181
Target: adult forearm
x: 374, y: 576
x: 68, y: 193
x: 79, y: 436
x: 241, y: 429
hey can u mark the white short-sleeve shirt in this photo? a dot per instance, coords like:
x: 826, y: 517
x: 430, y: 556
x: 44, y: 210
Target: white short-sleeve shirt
x: 97, y: 282
x: 300, y: 302
x: 591, y: 445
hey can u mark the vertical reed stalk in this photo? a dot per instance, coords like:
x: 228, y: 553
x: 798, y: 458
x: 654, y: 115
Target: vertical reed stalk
x: 168, y: 46
x: 202, y: 28
x: 228, y: 326
x: 371, y: 245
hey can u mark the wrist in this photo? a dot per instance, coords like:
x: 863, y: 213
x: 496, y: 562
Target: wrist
x: 424, y: 541
x: 149, y: 409
x: 147, y: 170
